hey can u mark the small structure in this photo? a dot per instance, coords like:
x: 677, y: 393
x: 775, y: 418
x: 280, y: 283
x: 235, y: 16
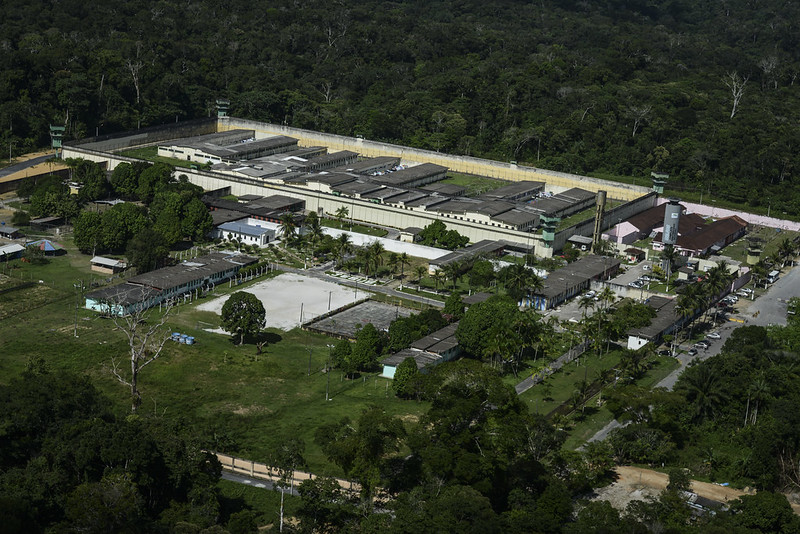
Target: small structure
x: 101, y: 264
x: 433, y: 349
x: 50, y: 248
x: 47, y: 222
x: 635, y: 255
x: 581, y: 242
x: 9, y: 232
x: 248, y: 231
x: 10, y: 252
x: 485, y: 247
x: 665, y: 322
x: 410, y: 234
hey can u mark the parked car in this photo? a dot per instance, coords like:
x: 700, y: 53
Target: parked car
x: 646, y: 278
x: 713, y: 335
x: 742, y: 293
x: 664, y: 352
x: 692, y: 352
x: 702, y: 345
x: 590, y: 294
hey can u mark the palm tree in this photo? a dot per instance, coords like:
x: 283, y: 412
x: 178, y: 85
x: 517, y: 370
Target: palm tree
x: 452, y: 272
x: 703, y: 389
x: 394, y: 261
x: 288, y: 227
x: 404, y: 260
x: 420, y: 271
x: 342, y: 214
x: 343, y: 246
x: 669, y: 254
x: 375, y: 252
x: 689, y: 301
x: 314, y: 227
x: 785, y: 250
x: 757, y: 392
x: 437, y: 276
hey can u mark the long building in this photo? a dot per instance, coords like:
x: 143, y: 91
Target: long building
x: 167, y: 284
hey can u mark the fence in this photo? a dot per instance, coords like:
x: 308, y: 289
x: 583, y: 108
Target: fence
x: 265, y: 472
x: 557, y: 364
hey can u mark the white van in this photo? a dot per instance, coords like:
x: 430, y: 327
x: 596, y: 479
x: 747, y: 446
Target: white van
x: 773, y: 276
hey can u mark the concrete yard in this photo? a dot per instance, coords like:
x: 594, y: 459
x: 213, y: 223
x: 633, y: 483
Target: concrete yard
x: 346, y: 323
x: 284, y: 296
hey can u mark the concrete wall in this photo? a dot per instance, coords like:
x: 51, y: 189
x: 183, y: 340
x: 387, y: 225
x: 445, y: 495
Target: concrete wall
x: 610, y: 218
x: 147, y: 136
x: 556, y: 181
x: 751, y: 218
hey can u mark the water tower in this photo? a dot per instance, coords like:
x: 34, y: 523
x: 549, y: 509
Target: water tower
x: 672, y: 216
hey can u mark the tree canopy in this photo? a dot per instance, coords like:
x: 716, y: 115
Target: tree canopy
x: 243, y: 314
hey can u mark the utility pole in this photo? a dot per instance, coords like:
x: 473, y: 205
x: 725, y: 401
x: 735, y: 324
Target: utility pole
x: 328, y: 373
x: 78, y: 287
x: 309, y: 361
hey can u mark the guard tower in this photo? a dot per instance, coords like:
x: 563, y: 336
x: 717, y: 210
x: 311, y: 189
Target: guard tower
x: 753, y: 251
x: 56, y: 137
x: 549, y: 225
x: 222, y: 108
x: 659, y: 181
x: 672, y: 216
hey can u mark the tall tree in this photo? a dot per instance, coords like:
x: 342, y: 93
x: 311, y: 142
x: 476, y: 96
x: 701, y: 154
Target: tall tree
x: 146, y: 334
x: 243, y: 314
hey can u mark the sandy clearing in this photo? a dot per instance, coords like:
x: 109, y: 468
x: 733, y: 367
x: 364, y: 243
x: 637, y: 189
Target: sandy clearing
x: 284, y: 296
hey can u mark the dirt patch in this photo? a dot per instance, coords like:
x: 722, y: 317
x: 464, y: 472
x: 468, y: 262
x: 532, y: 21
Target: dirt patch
x: 636, y: 483
x: 251, y: 410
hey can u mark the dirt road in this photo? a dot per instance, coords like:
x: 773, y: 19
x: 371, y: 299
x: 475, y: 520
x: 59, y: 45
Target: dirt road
x: 636, y: 483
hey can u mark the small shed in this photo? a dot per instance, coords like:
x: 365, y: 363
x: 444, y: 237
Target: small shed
x: 635, y: 255
x: 10, y: 252
x: 107, y: 265
x: 410, y: 234
x: 9, y: 232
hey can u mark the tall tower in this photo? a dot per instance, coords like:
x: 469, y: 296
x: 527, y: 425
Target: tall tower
x: 222, y: 108
x: 56, y: 136
x: 598, y: 219
x: 672, y: 216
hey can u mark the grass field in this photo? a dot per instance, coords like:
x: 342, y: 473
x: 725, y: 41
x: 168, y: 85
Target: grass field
x: 475, y: 185
x: 224, y: 389
x: 150, y: 153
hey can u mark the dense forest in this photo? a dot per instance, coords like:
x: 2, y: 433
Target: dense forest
x: 702, y: 90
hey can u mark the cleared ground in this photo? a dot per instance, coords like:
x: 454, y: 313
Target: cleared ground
x: 288, y: 295
x: 346, y: 323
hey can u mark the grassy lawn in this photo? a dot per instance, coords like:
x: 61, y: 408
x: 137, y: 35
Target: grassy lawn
x: 151, y: 154
x: 476, y: 185
x: 224, y: 389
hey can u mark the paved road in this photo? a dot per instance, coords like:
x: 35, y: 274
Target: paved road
x: 772, y: 310
x: 22, y: 165
x: 771, y: 306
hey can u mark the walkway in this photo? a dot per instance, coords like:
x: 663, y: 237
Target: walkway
x: 557, y: 364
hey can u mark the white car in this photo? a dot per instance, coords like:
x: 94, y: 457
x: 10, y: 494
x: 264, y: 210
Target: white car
x: 713, y: 335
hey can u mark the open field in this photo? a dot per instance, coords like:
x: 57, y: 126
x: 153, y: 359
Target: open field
x: 236, y: 400
x: 291, y: 299
x: 476, y: 185
x: 150, y: 153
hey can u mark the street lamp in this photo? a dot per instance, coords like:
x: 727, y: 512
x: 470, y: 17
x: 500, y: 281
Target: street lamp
x: 328, y: 373
x: 78, y: 287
